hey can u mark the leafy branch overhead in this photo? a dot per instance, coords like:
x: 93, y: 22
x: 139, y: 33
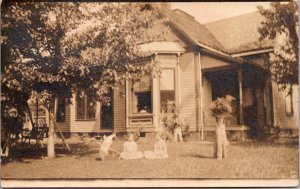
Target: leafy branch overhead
x: 281, y: 26
x: 59, y: 48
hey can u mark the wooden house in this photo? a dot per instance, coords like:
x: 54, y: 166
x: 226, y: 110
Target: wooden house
x: 199, y: 63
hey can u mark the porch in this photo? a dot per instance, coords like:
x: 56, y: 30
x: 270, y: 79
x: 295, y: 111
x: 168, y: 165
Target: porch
x: 249, y: 85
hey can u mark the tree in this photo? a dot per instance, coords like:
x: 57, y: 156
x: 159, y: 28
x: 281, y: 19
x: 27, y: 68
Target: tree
x: 55, y: 49
x: 281, y: 25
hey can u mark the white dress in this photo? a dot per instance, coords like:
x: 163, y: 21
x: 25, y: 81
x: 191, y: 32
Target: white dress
x: 160, y: 151
x: 130, y: 151
x: 105, y: 144
x: 222, y: 141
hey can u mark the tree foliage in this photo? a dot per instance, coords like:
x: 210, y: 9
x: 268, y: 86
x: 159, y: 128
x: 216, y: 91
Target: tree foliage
x: 56, y: 49
x: 60, y: 48
x: 281, y: 26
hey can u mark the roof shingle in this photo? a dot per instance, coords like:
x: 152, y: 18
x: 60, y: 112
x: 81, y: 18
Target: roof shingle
x: 239, y: 33
x: 196, y: 31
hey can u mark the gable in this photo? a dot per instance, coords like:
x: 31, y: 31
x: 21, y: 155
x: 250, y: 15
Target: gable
x: 197, y: 32
x: 169, y: 34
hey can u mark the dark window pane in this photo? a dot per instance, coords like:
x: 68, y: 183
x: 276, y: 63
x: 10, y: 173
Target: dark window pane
x: 61, y: 110
x: 143, y: 102
x: 80, y: 107
x: 91, y: 109
x: 141, y: 99
x: 166, y: 98
x: 107, y: 114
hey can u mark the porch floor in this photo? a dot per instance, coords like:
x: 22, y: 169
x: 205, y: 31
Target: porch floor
x: 232, y: 127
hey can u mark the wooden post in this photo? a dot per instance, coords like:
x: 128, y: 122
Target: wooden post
x: 200, y: 90
x: 156, y: 102
x: 240, y: 80
x: 51, y: 142
x: 177, y: 83
x: 62, y: 136
x: 37, y: 111
x: 127, y: 105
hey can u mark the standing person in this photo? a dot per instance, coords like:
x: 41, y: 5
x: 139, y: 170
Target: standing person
x: 177, y: 128
x: 130, y: 149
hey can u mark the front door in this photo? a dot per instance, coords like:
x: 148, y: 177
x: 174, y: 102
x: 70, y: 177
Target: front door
x: 107, y: 115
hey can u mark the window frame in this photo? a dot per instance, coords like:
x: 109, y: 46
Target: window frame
x: 174, y: 90
x: 131, y: 93
x: 56, y: 111
x: 289, y: 95
x: 85, y: 110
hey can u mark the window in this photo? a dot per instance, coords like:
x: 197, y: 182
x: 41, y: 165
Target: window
x: 85, y: 107
x: 60, y: 110
x: 289, y: 104
x: 141, y: 101
x: 167, y: 89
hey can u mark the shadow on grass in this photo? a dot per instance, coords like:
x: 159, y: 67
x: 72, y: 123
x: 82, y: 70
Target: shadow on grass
x: 25, y: 154
x: 198, y: 156
x: 260, y: 143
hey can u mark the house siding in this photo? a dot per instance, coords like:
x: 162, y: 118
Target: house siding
x: 207, y: 99
x: 187, y: 89
x: 208, y: 62
x: 280, y: 117
x: 119, y: 110
x: 64, y: 126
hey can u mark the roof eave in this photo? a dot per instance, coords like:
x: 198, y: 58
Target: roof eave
x: 252, y: 52
x: 223, y: 56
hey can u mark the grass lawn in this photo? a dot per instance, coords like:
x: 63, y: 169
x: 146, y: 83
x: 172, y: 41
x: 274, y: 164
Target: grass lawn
x: 187, y: 160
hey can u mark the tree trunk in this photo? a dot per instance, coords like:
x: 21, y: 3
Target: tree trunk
x: 30, y: 115
x: 51, y: 142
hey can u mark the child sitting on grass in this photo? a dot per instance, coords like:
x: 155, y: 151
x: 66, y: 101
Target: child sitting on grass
x: 105, y: 146
x: 160, y: 149
x: 130, y: 149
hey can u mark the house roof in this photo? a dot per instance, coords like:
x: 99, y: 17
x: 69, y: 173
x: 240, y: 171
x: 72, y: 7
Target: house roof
x: 197, y: 32
x: 239, y: 34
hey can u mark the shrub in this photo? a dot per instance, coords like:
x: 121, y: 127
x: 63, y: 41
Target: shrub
x: 172, y: 120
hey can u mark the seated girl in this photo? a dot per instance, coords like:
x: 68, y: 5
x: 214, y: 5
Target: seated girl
x: 130, y: 149
x: 160, y: 149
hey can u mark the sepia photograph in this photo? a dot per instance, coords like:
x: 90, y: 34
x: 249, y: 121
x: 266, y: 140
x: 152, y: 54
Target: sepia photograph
x: 149, y: 94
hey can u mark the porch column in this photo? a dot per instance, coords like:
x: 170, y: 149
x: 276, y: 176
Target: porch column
x: 200, y: 95
x: 156, y: 103
x: 240, y: 79
x: 127, y: 105
x: 177, y: 83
